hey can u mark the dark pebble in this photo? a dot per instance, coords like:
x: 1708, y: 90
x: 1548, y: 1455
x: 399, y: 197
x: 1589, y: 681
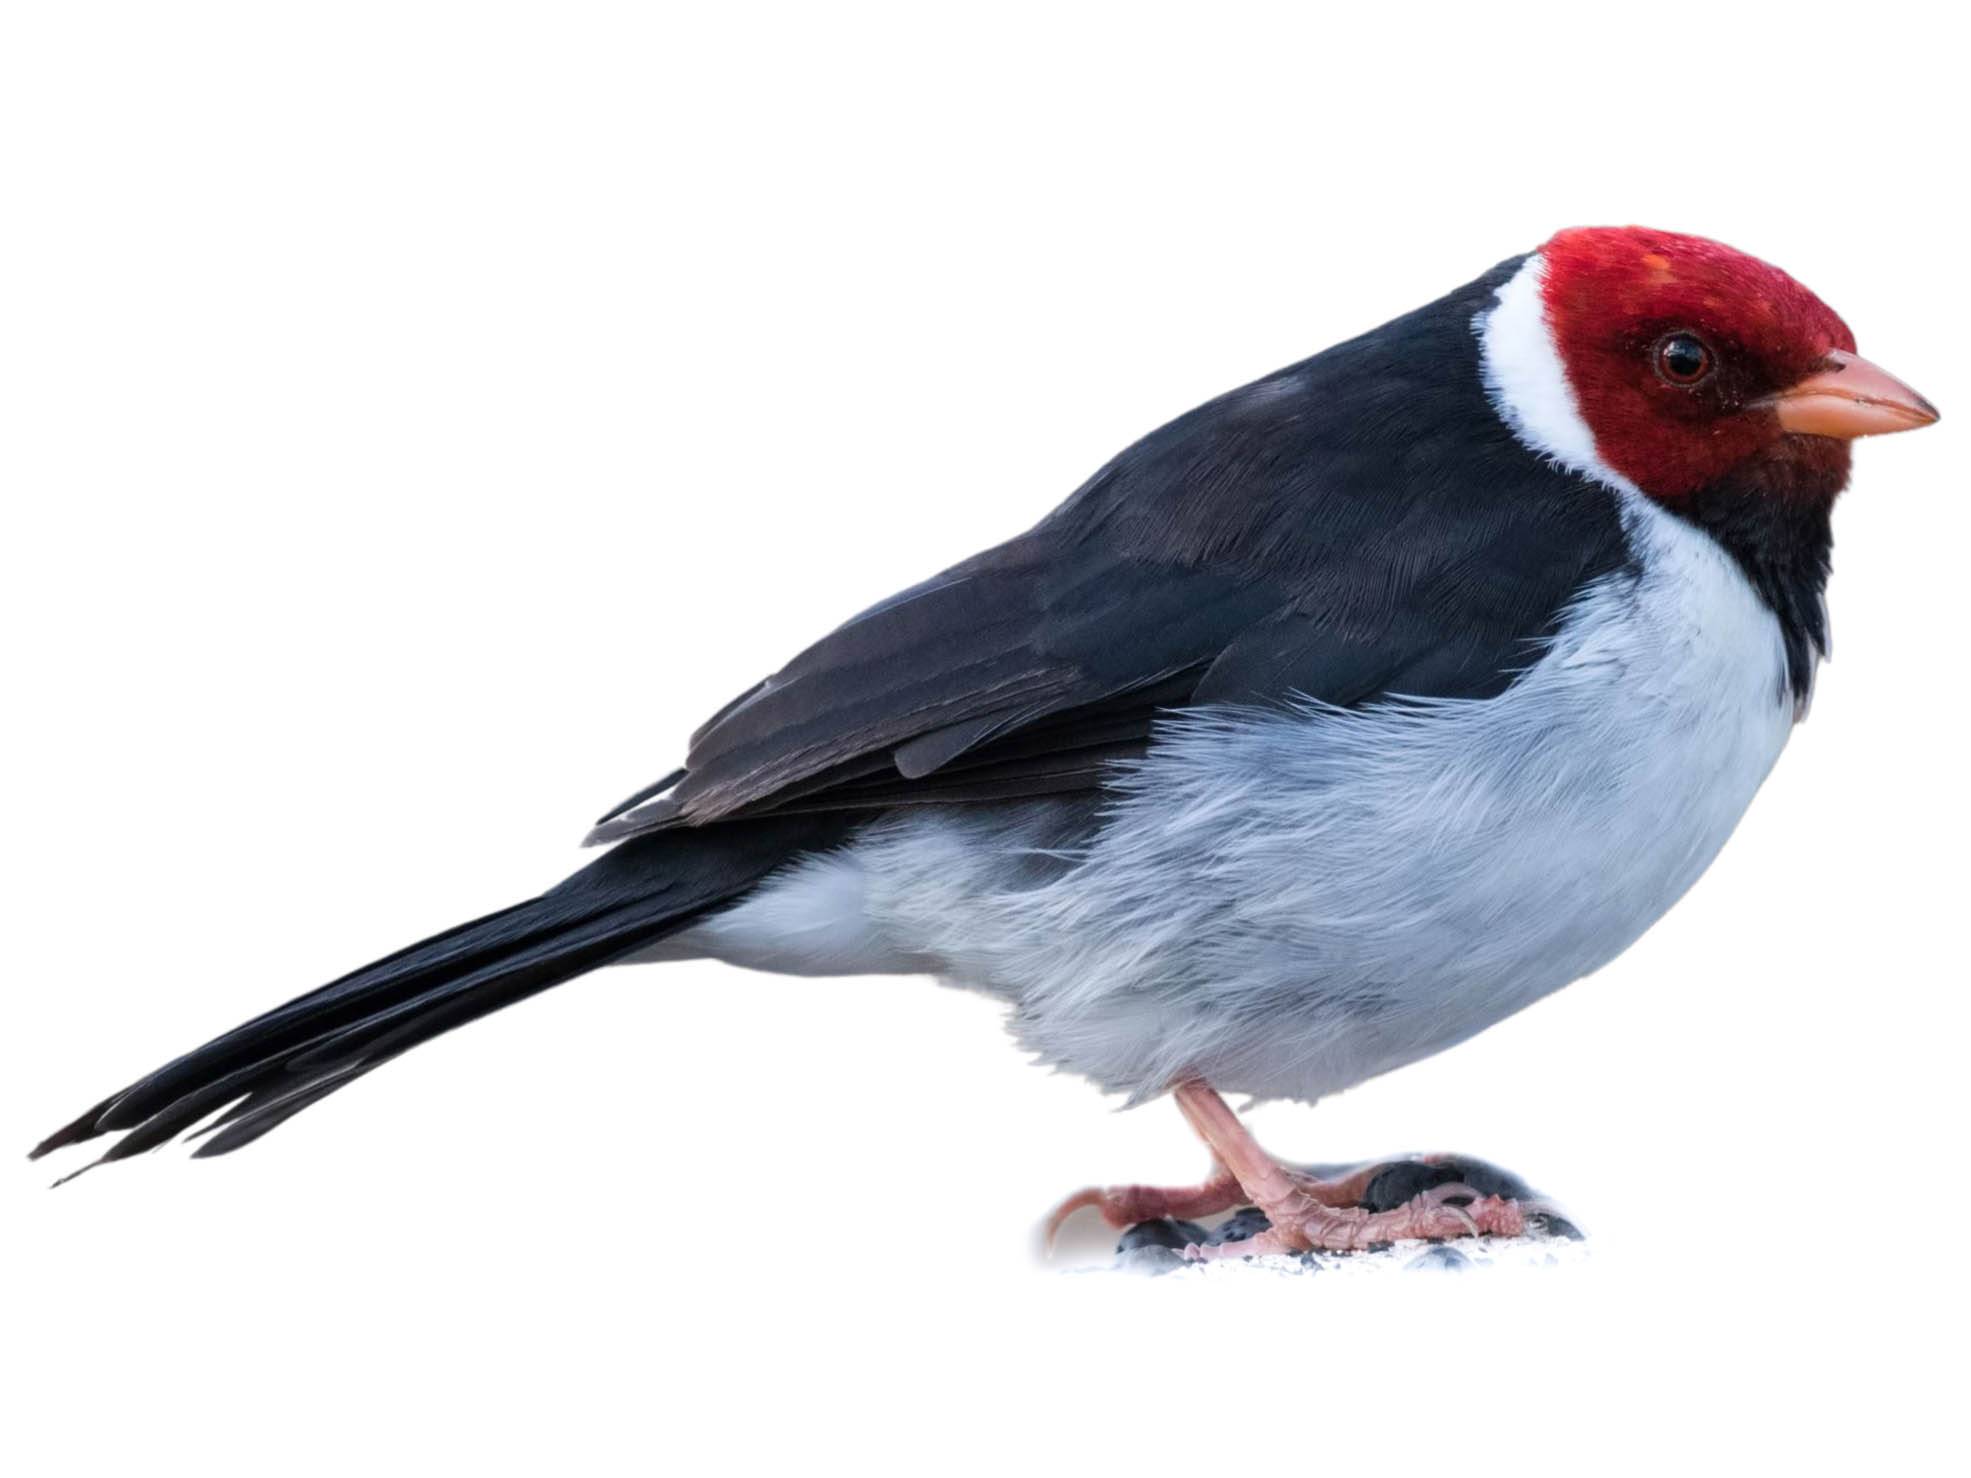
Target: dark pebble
x: 1237, y: 1227
x: 1487, y: 1180
x: 1404, y: 1181
x: 1440, y: 1258
x: 1161, y: 1233
x: 1152, y: 1259
x: 1553, y: 1224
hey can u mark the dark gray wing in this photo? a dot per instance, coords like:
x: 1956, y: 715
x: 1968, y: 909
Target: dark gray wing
x: 1357, y: 526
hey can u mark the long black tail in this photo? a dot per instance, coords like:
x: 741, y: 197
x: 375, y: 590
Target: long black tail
x: 276, y: 1065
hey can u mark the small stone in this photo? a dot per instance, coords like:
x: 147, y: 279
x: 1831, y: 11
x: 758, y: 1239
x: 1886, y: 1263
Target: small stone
x: 1439, y: 1258
x: 1402, y: 1182
x: 1237, y: 1227
x: 1152, y: 1260
x: 1487, y: 1179
x: 1553, y: 1224
x: 1163, y: 1232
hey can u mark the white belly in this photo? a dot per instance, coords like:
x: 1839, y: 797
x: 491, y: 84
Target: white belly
x: 1290, y: 903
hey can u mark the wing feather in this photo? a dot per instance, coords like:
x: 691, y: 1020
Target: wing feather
x: 1356, y: 527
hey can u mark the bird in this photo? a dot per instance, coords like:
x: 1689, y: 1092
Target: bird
x: 1319, y: 730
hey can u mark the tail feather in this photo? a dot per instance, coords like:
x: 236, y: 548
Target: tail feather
x: 279, y: 1063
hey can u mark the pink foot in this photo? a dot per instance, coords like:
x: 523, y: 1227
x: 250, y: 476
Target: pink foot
x: 1307, y: 1213
x: 1301, y: 1223
x: 1125, y: 1205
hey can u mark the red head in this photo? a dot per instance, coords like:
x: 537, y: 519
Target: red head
x: 1690, y: 361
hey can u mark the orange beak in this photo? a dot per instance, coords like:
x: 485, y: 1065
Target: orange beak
x: 1850, y: 397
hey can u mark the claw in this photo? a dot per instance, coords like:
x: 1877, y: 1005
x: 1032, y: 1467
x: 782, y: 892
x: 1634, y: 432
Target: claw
x: 1058, y: 1217
x: 1464, y: 1219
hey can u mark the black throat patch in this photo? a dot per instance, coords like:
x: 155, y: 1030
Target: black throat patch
x: 1774, y: 517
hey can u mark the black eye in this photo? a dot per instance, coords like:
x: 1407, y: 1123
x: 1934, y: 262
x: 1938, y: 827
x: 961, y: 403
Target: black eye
x: 1682, y: 359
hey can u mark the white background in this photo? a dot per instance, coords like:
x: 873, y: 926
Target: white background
x: 416, y: 418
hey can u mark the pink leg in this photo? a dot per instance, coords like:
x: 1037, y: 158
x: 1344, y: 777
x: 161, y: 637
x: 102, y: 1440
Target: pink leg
x: 1305, y: 1210
x: 1308, y: 1213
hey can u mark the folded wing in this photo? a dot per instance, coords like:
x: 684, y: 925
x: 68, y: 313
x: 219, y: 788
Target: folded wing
x: 1356, y: 527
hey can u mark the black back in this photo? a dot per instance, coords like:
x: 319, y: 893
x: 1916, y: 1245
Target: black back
x: 1357, y: 526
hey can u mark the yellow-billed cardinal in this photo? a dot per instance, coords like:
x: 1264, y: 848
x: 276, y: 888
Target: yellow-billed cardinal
x: 1322, y: 728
